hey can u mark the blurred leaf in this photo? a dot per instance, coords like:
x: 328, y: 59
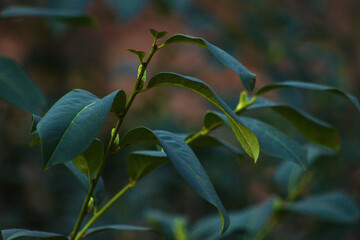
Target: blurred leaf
x: 35, y: 120
x: 245, y: 136
x: 11, y: 234
x: 336, y: 207
x: 17, y: 88
x: 90, y: 161
x: 118, y: 227
x: 311, y: 128
x: 287, y: 177
x: 140, y: 163
x: 309, y: 86
x: 71, y: 125
x: 35, y: 141
x: 139, y: 54
x: 64, y: 15
x: 184, y: 160
x: 275, y: 143
x: 214, y: 119
x: 247, y: 77
x: 157, y: 34
x: 249, y: 220
x: 98, y: 193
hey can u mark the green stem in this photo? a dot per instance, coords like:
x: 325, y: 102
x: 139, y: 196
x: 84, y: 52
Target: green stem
x: 110, y: 148
x: 103, y: 209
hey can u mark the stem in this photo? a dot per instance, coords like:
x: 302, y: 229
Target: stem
x: 103, y: 209
x: 110, y: 148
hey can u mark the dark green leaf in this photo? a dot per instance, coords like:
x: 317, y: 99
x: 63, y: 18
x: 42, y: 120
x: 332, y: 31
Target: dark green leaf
x: 140, y: 163
x: 71, y: 125
x: 276, y: 144
x: 157, y: 34
x: 35, y: 120
x: 214, y: 119
x: 336, y: 207
x: 316, y: 152
x: 119, y: 103
x: 118, y: 227
x: 17, y: 88
x: 11, y: 234
x: 245, y: 136
x: 89, y: 161
x: 184, y: 160
x: 98, y: 194
x: 247, y: 77
x: 35, y: 141
x: 64, y: 15
x: 309, y: 86
x: 139, y: 54
x: 311, y: 128
x: 249, y: 220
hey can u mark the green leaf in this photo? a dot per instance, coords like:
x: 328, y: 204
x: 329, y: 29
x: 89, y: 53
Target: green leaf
x: 247, y: 78
x: 139, y: 54
x: 17, y: 88
x: 213, y: 120
x: 249, y: 220
x: 311, y: 128
x: 184, y: 160
x: 276, y: 144
x: 35, y: 141
x: 71, y: 125
x: 119, y: 103
x: 245, y: 136
x: 11, y: 234
x: 140, y: 163
x: 157, y: 34
x: 69, y: 16
x: 309, y: 86
x: 90, y: 161
x: 118, y: 227
x: 35, y: 120
x: 336, y: 207
x: 98, y: 193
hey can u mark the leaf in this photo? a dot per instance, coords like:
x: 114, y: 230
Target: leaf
x: 249, y: 220
x: 119, y: 103
x: 311, y: 128
x: 213, y: 120
x: 309, y: 86
x: 245, y: 136
x: 119, y: 227
x: 71, y: 125
x: 35, y: 120
x: 69, y: 16
x: 90, y: 161
x: 157, y: 34
x: 17, y: 88
x: 140, y: 163
x: 247, y: 78
x: 11, y: 234
x: 336, y: 207
x: 139, y: 54
x: 275, y: 143
x: 98, y: 193
x: 183, y: 159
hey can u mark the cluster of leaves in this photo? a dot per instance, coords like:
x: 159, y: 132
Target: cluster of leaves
x: 67, y: 134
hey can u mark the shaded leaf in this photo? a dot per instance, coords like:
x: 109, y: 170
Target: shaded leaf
x: 247, y: 78
x: 214, y: 119
x: 139, y: 54
x: 309, y: 86
x: 99, y: 191
x: 183, y: 159
x: 310, y: 127
x: 245, y: 136
x: 17, y: 88
x: 157, y: 34
x: 90, y: 161
x: 11, y: 234
x: 71, y: 125
x: 69, y: 16
x: 118, y: 227
x: 336, y: 207
x: 35, y: 120
x: 140, y: 163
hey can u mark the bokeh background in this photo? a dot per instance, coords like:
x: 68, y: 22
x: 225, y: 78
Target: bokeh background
x: 312, y: 41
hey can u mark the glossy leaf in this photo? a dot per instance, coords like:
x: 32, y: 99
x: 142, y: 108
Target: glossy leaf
x: 275, y: 143
x: 336, y: 207
x: 311, y: 128
x: 17, y: 88
x: 140, y: 163
x: 184, y: 160
x: 247, y: 77
x: 89, y: 161
x: 64, y: 15
x: 249, y: 220
x: 117, y: 227
x: 309, y: 86
x: 71, y: 125
x: 245, y: 136
x: 99, y: 191
x: 12, y: 234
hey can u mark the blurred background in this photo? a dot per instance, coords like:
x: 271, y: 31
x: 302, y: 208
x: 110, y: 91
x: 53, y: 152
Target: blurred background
x: 312, y: 41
